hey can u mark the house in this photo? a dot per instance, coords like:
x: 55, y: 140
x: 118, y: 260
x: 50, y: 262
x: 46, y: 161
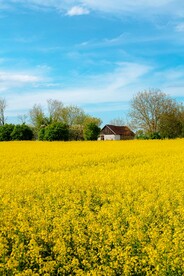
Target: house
x: 111, y: 132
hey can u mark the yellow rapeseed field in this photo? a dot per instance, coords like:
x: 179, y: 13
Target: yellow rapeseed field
x: 92, y: 208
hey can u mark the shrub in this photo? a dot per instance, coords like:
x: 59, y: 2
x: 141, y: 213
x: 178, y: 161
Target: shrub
x: 41, y: 134
x: 22, y: 132
x: 91, y: 131
x: 55, y: 132
x: 5, y: 132
x: 155, y: 135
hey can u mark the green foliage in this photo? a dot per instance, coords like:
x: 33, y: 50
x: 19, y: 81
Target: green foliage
x: 94, y: 120
x: 44, y: 125
x: 22, y: 132
x: 37, y: 117
x: 55, y: 132
x: 41, y: 134
x: 76, y: 133
x: 91, y: 131
x: 141, y: 135
x: 171, y: 123
x: 155, y: 135
x: 73, y: 115
x: 5, y: 132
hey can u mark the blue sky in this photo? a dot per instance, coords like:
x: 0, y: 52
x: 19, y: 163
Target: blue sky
x: 90, y: 53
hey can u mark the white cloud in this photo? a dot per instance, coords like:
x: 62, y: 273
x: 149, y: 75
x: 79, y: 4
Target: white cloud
x: 12, y: 80
x: 76, y: 10
x: 17, y: 77
x: 132, y: 6
x: 125, y: 74
x: 78, y: 7
x: 119, y: 86
x: 108, y: 87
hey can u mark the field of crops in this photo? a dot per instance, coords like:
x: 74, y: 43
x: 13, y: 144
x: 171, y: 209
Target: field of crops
x: 92, y: 208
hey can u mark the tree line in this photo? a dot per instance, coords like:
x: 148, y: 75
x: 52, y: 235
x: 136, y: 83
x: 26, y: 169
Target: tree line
x: 57, y: 123
x: 153, y: 115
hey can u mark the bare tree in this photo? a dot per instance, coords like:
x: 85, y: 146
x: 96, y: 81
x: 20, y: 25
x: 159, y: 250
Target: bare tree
x: 37, y: 116
x: 22, y: 118
x: 3, y: 106
x: 73, y: 115
x: 117, y: 122
x: 147, y: 108
x: 55, y: 110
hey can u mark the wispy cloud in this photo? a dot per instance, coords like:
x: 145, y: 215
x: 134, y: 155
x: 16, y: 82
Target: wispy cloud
x: 107, y: 87
x: 124, y: 39
x: 119, y: 86
x: 78, y: 7
x: 106, y: 42
x: 77, y: 10
x: 10, y: 79
x: 18, y: 77
x: 123, y: 75
x: 132, y: 7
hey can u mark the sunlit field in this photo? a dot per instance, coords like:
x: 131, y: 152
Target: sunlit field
x: 92, y: 208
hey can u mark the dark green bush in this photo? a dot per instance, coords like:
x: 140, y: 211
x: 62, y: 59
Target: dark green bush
x: 41, y: 134
x: 91, y: 131
x: 22, y: 132
x: 5, y: 132
x: 55, y: 132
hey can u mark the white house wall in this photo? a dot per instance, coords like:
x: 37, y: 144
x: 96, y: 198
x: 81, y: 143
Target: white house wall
x: 111, y: 137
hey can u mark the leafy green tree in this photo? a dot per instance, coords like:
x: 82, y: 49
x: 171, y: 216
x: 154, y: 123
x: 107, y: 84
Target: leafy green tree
x: 182, y: 122
x: 73, y: 115
x: 41, y: 134
x: 141, y: 135
x: 76, y: 132
x: 56, y: 132
x: 90, y: 119
x: 155, y: 135
x: 37, y: 117
x: 171, y: 123
x: 5, y: 132
x: 22, y: 132
x: 91, y: 131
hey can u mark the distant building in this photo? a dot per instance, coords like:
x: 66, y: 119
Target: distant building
x: 111, y: 132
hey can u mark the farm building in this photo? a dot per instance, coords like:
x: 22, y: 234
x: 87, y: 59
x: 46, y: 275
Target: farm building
x: 111, y: 132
